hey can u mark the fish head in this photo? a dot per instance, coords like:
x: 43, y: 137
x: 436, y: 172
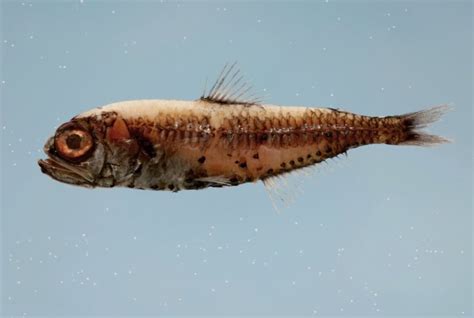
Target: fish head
x: 92, y: 151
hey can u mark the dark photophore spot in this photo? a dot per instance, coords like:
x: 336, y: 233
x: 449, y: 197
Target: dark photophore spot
x: 283, y: 164
x: 243, y: 165
x: 73, y: 141
x: 234, y: 180
x: 318, y: 153
x: 300, y: 159
x: 292, y: 162
x: 255, y: 156
x: 146, y: 146
x: 202, y: 159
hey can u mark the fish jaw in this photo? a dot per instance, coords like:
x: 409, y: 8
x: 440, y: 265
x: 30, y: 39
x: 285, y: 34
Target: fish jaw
x: 61, y: 173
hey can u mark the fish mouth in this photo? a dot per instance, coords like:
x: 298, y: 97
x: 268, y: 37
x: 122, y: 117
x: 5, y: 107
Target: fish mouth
x: 66, y: 173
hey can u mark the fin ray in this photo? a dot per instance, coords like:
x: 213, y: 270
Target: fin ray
x: 229, y: 88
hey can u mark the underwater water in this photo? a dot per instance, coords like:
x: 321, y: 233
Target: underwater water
x: 385, y: 231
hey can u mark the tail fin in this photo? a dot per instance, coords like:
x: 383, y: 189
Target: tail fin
x: 414, y: 122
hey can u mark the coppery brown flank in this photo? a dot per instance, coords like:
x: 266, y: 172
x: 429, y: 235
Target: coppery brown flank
x: 295, y: 137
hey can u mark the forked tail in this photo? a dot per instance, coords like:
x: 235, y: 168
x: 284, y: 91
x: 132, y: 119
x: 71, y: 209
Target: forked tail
x: 407, y: 129
x: 413, y: 123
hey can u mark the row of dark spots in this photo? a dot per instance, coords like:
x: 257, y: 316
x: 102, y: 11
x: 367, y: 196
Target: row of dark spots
x: 309, y: 157
x: 243, y: 165
x: 163, y: 186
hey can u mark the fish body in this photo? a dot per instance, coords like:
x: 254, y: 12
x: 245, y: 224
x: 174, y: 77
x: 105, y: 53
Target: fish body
x: 214, y: 141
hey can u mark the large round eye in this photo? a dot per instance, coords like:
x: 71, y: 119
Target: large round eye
x: 73, y: 144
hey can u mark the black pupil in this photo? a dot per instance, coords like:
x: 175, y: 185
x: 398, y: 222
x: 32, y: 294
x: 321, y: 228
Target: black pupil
x: 73, y: 141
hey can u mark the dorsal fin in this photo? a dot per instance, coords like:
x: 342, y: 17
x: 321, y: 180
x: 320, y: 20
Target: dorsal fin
x: 230, y: 88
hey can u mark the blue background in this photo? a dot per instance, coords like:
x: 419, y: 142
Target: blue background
x: 387, y: 230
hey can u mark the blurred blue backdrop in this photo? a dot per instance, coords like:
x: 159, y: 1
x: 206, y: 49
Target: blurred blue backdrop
x: 386, y: 231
